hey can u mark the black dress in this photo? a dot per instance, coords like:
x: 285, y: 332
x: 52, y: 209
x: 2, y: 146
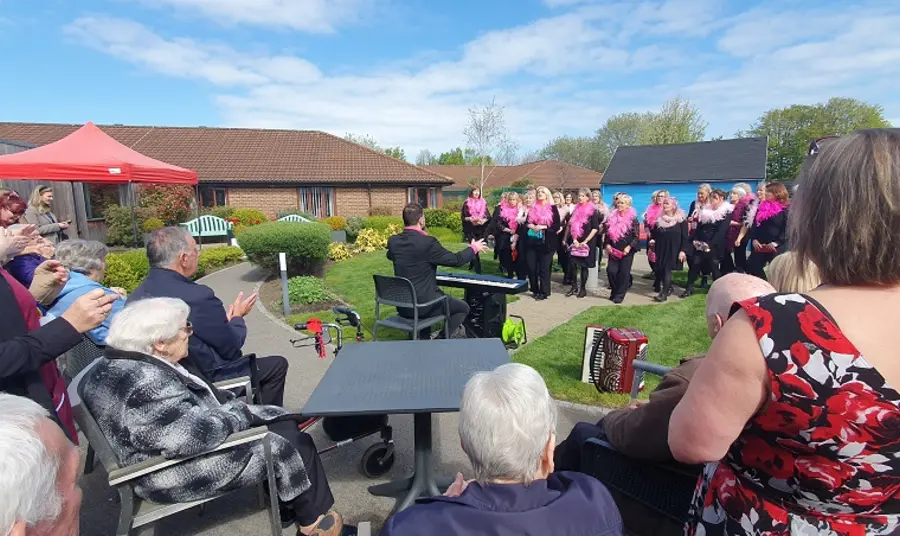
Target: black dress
x: 773, y: 229
x: 669, y: 242
x: 539, y: 255
x: 562, y: 246
x: 474, y: 232
x: 591, y: 260
x: 503, y: 244
x: 713, y: 233
x: 618, y: 271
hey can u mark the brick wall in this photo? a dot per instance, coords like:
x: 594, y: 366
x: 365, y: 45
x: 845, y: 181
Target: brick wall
x: 268, y: 200
x: 355, y: 201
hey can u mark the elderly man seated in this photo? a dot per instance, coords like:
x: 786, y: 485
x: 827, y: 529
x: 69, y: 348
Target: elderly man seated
x: 219, y: 333
x: 507, y: 423
x: 86, y: 262
x: 147, y: 405
x: 39, y: 491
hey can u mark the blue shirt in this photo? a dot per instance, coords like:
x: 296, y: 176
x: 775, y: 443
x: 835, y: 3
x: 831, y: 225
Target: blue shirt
x: 77, y: 286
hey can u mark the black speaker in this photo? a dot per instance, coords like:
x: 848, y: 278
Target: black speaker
x: 487, y: 312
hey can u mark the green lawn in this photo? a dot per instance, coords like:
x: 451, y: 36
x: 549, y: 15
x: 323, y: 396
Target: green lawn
x: 676, y: 330
x: 352, y: 281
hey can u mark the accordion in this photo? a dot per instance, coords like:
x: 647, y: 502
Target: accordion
x: 608, y: 357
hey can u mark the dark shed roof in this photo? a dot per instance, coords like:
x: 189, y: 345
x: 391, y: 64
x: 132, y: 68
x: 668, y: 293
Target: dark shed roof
x: 705, y: 161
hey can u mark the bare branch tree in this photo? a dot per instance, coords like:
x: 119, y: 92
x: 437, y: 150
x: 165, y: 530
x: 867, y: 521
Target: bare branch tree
x: 486, y: 134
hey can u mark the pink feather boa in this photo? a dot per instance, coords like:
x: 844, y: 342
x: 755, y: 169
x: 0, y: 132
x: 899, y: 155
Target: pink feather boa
x: 767, y: 209
x: 580, y: 216
x: 476, y: 207
x: 664, y: 221
x: 541, y: 213
x: 509, y: 214
x: 619, y: 224
x: 652, y: 214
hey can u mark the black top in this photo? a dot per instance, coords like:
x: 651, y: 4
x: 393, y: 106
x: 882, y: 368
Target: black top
x: 592, y: 223
x: 403, y: 376
x: 713, y: 234
x: 496, y: 227
x: 773, y: 229
x: 669, y: 242
x: 416, y: 257
x: 470, y: 230
x: 550, y: 238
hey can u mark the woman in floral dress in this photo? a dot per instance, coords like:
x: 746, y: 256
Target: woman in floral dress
x: 796, y: 396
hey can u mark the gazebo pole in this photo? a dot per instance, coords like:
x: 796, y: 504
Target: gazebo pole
x: 133, y: 198
x: 199, y: 233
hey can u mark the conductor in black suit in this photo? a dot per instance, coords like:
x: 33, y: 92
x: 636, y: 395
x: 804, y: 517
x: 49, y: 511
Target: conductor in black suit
x: 416, y: 256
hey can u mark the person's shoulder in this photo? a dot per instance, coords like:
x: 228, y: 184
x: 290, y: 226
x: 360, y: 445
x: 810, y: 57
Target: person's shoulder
x: 579, y: 487
x: 422, y: 514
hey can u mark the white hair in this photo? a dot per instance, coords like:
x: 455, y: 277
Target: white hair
x: 28, y: 471
x: 738, y: 189
x: 82, y: 256
x: 505, y: 420
x: 145, y: 322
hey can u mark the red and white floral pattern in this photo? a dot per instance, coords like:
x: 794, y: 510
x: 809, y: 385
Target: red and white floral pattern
x: 823, y: 454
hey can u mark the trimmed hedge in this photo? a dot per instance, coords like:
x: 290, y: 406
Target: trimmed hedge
x: 129, y: 268
x: 305, y: 244
x: 213, y: 259
x: 441, y: 217
x: 136, y: 259
x: 380, y: 223
x: 120, y: 274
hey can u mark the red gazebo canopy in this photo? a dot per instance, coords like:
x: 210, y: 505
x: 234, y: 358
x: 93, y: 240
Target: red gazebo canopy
x: 91, y: 155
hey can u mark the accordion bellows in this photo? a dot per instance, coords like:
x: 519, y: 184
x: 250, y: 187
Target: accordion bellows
x: 608, y: 357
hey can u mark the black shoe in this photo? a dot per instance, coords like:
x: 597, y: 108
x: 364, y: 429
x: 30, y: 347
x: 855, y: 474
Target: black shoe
x: 688, y: 292
x: 541, y: 297
x: 703, y: 282
x: 618, y: 300
x: 670, y: 291
x: 661, y: 297
x: 572, y: 291
x: 582, y: 292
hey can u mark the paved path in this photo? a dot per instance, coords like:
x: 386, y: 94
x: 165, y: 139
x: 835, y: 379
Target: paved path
x: 237, y: 514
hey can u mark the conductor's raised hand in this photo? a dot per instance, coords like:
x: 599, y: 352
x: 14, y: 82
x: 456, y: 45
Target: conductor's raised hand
x: 90, y: 310
x: 479, y: 246
x: 241, y: 307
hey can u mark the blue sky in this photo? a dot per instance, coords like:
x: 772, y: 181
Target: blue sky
x: 407, y: 71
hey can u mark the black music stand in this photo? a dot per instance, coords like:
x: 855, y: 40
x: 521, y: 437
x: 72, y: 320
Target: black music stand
x: 404, y: 377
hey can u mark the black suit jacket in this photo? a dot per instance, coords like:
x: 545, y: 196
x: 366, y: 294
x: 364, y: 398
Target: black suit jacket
x: 416, y: 257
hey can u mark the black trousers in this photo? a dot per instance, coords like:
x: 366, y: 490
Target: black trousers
x: 563, y: 258
x: 459, y: 310
x: 702, y: 262
x: 539, y: 263
x: 574, y: 269
x: 567, y: 456
x: 618, y: 271
x: 317, y: 500
x: 757, y: 263
x: 727, y: 265
x: 475, y: 265
x: 512, y: 268
x: 271, y: 372
x: 740, y: 255
x: 662, y: 276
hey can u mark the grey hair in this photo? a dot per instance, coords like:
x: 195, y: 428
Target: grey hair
x: 165, y: 245
x: 738, y: 189
x: 747, y: 188
x: 506, y: 419
x: 145, y: 322
x: 587, y: 192
x: 82, y: 256
x: 28, y: 471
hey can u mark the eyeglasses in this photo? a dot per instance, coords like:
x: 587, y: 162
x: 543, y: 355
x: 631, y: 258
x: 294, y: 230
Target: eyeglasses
x: 814, y: 146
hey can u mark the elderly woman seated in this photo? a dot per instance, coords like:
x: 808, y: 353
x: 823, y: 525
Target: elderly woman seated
x: 86, y: 262
x: 507, y: 423
x: 147, y: 404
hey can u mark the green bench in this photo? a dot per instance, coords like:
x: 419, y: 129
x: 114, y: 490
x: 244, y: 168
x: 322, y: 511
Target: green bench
x: 294, y: 218
x: 206, y: 226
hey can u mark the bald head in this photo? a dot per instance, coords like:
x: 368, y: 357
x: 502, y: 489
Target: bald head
x: 728, y: 289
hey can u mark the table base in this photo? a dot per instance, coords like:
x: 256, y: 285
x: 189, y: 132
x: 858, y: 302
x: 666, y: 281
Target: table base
x: 423, y: 482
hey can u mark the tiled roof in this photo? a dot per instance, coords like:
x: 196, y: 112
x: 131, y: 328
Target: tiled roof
x: 705, y: 161
x: 247, y: 155
x: 550, y: 173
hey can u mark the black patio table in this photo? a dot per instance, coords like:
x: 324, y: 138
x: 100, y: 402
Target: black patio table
x: 404, y: 377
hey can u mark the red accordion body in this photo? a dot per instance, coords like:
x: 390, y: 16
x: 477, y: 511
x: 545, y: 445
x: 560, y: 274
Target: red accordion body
x: 609, y: 360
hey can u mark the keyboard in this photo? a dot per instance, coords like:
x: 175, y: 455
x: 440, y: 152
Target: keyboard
x: 486, y: 283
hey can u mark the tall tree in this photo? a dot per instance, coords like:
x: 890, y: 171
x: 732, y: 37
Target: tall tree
x: 581, y: 151
x: 679, y: 121
x: 791, y: 129
x: 486, y: 135
x: 426, y: 158
x: 621, y: 129
x: 459, y: 157
x: 395, y: 152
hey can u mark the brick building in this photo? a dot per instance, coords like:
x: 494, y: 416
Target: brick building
x: 553, y: 174
x: 271, y: 170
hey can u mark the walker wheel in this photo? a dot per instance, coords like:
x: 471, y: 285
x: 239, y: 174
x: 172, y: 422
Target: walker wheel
x: 376, y: 461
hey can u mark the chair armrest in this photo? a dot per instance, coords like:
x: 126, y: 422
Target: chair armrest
x: 432, y: 302
x: 652, y: 368
x: 234, y: 383
x: 364, y: 529
x: 123, y: 475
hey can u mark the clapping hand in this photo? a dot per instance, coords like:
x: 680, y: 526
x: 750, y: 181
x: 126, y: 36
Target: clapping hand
x: 241, y: 307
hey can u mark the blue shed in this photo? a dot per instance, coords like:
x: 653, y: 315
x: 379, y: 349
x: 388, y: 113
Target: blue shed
x: 681, y: 168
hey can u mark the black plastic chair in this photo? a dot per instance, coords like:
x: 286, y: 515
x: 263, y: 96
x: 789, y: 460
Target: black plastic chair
x: 400, y: 292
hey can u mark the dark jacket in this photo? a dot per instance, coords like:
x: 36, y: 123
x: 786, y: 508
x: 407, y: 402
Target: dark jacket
x: 770, y: 230
x: 22, y: 267
x: 416, y: 257
x: 566, y: 504
x: 145, y: 408
x: 643, y: 432
x: 22, y: 354
x: 215, y: 346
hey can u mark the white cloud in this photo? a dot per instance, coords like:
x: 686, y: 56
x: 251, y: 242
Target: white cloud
x: 561, y: 74
x: 315, y: 16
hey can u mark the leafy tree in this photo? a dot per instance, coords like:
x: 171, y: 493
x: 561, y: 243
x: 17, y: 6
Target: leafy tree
x: 522, y: 183
x: 621, y: 129
x: 368, y: 141
x: 791, y: 129
x: 458, y: 157
x: 581, y: 151
x: 679, y: 121
x: 395, y: 152
x: 169, y: 202
x: 426, y: 158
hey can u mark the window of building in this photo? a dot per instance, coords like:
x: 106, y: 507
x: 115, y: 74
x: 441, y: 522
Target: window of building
x: 97, y: 197
x: 427, y: 197
x: 213, y: 197
x: 317, y: 201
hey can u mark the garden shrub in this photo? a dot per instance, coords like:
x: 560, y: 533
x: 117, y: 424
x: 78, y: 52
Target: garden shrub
x: 288, y: 212
x: 306, y: 289
x: 248, y: 216
x: 119, y: 230
x: 370, y: 240
x: 454, y: 204
x: 354, y: 225
x: 442, y: 217
x: 120, y: 274
x: 381, y: 211
x: 305, y: 244
x: 169, y: 202
x: 336, y: 223
x: 152, y: 224
x: 339, y: 251
x: 223, y: 211
x: 380, y: 223
x: 136, y: 259
x: 212, y: 259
